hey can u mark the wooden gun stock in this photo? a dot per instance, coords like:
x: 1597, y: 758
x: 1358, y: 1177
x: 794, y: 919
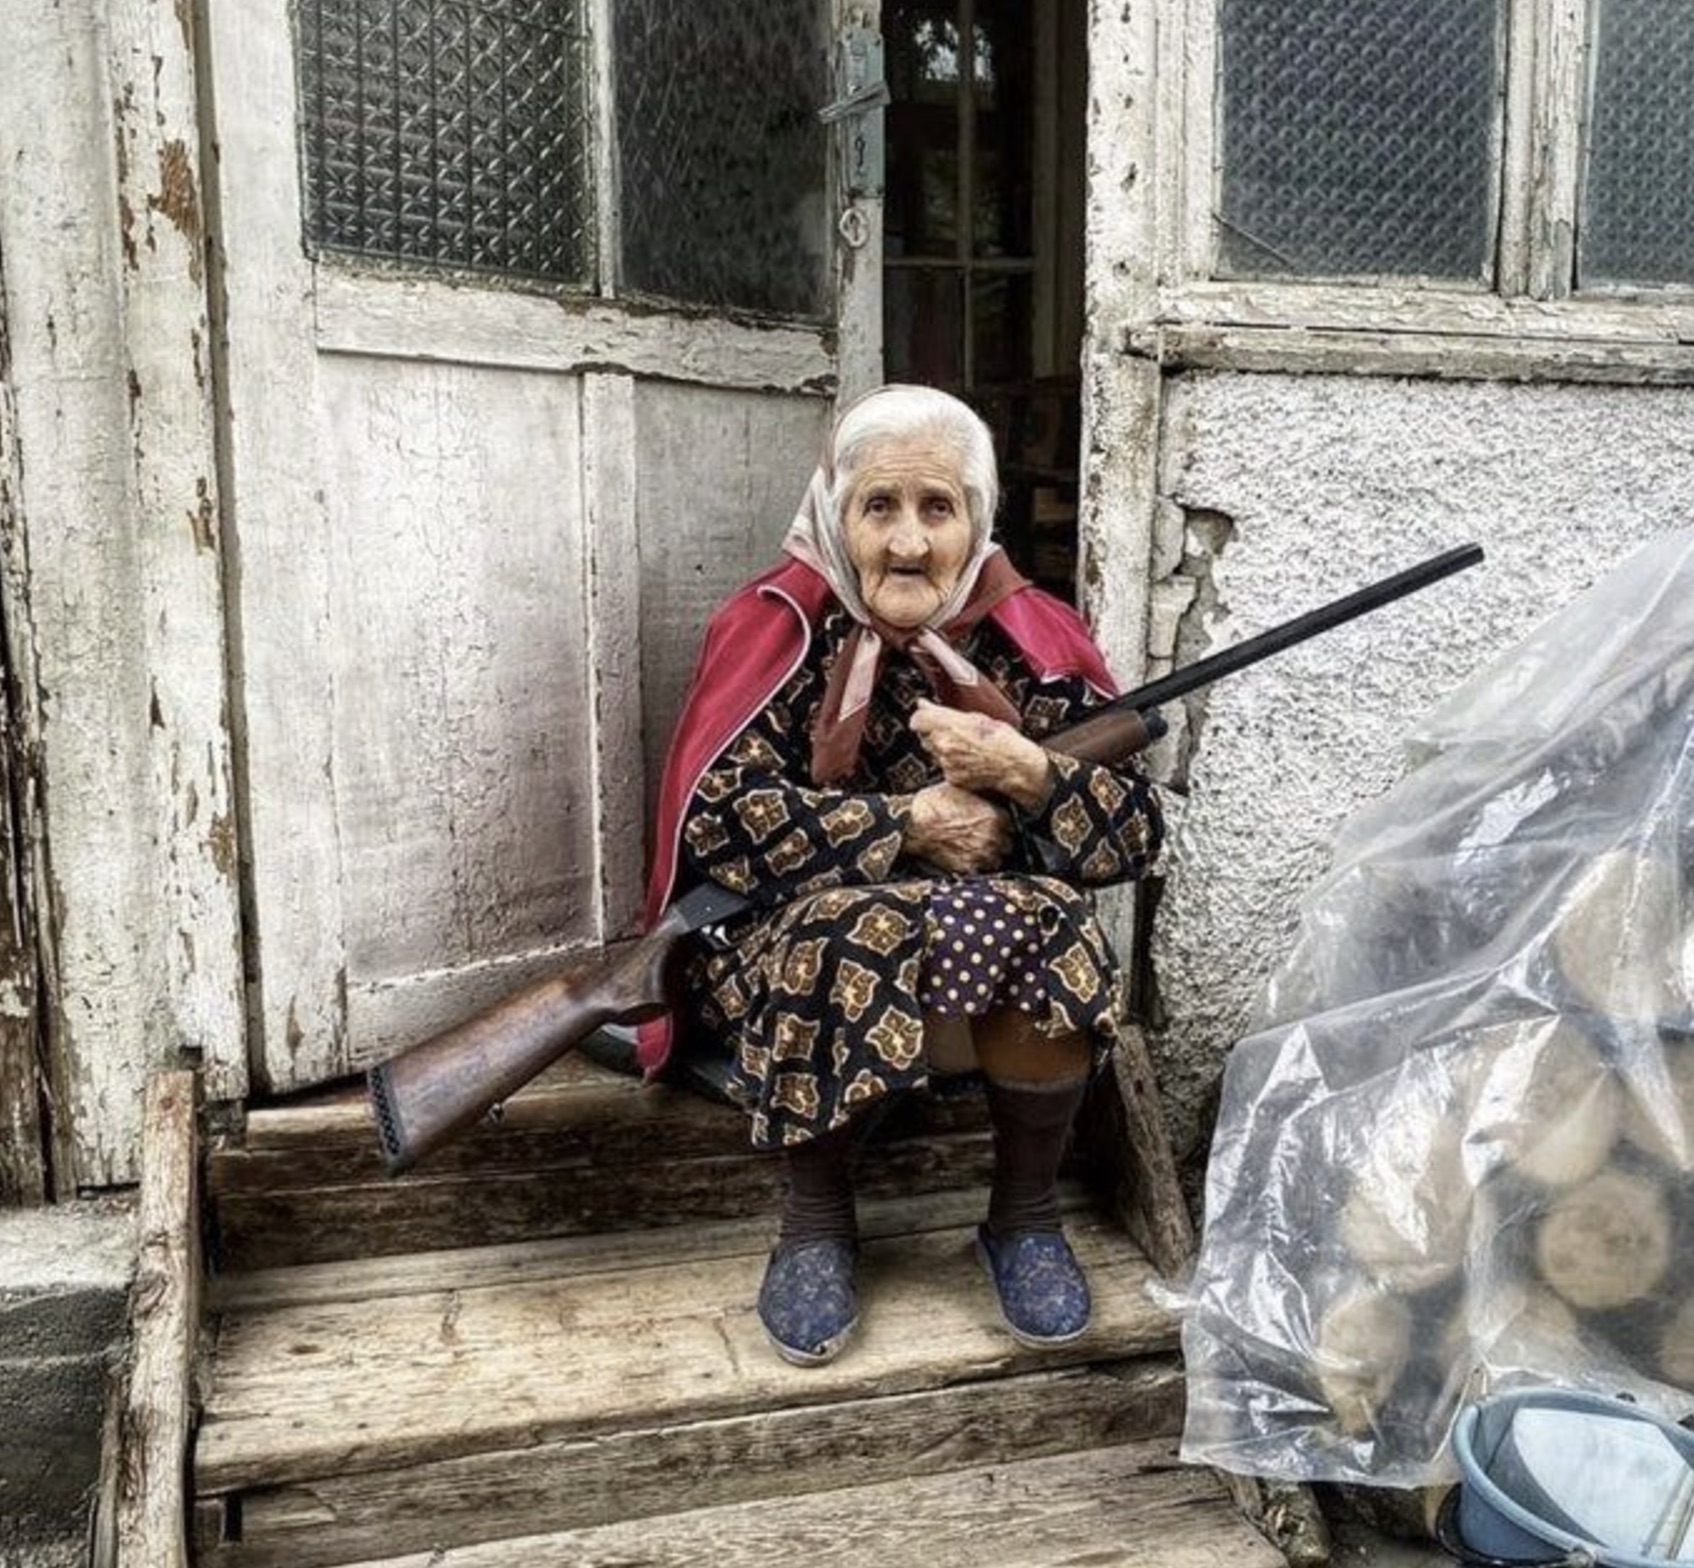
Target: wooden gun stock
x: 430, y: 1091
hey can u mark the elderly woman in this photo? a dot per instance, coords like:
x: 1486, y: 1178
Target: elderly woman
x: 860, y: 753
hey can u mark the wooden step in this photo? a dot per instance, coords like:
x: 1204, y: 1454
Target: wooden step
x: 1128, y: 1506
x: 304, y: 1182
x: 399, y: 1404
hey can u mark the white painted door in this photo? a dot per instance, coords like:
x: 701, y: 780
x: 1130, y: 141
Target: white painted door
x: 478, y: 513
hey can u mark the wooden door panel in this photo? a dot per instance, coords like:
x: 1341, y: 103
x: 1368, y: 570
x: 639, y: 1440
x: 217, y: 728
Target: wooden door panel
x: 722, y: 474
x: 460, y: 655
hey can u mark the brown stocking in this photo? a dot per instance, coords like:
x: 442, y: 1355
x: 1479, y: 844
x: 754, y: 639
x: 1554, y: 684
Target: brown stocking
x: 1031, y: 1123
x: 819, y: 1202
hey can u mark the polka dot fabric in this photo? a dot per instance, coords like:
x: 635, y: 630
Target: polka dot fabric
x: 984, y: 953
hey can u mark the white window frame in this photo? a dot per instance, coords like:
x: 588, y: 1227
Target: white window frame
x: 369, y: 305
x: 1529, y: 324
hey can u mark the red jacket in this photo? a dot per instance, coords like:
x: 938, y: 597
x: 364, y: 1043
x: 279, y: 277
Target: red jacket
x: 754, y: 642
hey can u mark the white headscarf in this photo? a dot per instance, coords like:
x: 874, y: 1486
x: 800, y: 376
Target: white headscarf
x: 896, y: 412
x: 817, y: 537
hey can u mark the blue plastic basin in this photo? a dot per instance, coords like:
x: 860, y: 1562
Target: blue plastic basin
x: 1545, y: 1471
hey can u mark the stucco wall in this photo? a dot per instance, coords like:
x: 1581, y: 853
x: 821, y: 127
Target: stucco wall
x: 1280, y: 492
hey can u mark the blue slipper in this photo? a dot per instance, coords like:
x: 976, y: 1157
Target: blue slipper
x: 808, y: 1303
x: 1043, y: 1291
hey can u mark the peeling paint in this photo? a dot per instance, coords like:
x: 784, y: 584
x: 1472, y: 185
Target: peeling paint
x: 221, y: 844
x: 126, y: 230
x: 179, y: 201
x: 202, y: 518
x: 1206, y: 535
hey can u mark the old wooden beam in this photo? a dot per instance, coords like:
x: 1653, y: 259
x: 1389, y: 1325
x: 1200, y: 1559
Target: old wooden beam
x: 164, y: 1318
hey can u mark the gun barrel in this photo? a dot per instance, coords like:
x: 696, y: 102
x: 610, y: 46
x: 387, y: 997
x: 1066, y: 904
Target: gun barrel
x: 1371, y: 597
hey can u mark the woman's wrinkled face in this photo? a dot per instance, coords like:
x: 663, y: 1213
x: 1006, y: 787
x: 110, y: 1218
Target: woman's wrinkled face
x: 907, y: 529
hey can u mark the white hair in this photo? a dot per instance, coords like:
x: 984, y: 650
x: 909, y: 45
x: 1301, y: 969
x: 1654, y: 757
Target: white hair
x: 898, y: 413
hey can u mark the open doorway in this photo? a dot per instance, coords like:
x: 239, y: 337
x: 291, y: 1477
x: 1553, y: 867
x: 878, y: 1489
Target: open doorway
x: 983, y: 246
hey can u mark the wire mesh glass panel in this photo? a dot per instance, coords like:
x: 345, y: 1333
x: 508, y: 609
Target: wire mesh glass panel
x: 1358, y: 137
x: 721, y: 153
x: 449, y: 132
x: 1637, y: 218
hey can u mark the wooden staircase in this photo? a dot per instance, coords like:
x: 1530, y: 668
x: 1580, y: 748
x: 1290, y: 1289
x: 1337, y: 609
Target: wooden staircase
x: 540, y: 1348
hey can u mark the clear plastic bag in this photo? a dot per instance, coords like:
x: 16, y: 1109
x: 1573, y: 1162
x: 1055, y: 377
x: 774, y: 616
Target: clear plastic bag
x: 1458, y: 1143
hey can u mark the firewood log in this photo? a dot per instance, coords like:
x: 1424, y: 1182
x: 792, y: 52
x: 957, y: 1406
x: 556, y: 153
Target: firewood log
x: 1676, y: 1348
x: 1659, y: 1116
x: 1619, y: 937
x: 1607, y: 1242
x: 1408, y: 1211
x: 1544, y: 1101
x: 1360, y: 1347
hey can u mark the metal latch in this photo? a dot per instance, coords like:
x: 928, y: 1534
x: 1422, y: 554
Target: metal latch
x: 864, y: 91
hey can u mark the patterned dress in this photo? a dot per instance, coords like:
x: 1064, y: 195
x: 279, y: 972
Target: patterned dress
x: 821, y: 1000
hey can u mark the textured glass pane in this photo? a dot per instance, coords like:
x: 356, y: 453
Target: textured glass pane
x: 1002, y: 326
x: 721, y: 153
x: 921, y: 211
x: 1358, y: 137
x: 1003, y: 89
x: 923, y: 325
x: 1637, y: 223
x: 449, y: 132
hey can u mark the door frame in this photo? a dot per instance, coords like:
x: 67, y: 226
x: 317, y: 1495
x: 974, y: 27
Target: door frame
x: 284, y: 311
x: 858, y: 231
x: 25, y: 1157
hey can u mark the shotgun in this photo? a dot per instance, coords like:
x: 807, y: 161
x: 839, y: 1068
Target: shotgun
x: 428, y: 1092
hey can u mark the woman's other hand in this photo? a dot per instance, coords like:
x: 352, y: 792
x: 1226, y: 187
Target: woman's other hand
x: 956, y: 830
x: 984, y: 755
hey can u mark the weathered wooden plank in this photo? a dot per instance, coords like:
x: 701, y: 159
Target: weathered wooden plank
x: 860, y: 222
x: 574, y: 1093
x: 23, y: 1151
x: 1366, y: 351
x: 280, y: 1227
x: 607, y: 1119
x: 1133, y: 1506
x: 691, y: 1128
x: 309, y: 1185
x: 1561, y: 48
x: 339, y: 1111
x: 276, y: 509
x: 179, y: 551
x: 164, y: 1319
x: 335, y: 1387
x: 612, y: 569
x: 1461, y: 315
x: 646, y: 1473
x: 721, y: 477
x: 380, y: 315
x: 1123, y: 215
x: 378, y: 1278
x: 461, y: 675
x: 1132, y: 1147
x: 123, y: 597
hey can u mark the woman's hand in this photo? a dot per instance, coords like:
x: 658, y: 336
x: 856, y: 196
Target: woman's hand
x: 984, y: 755
x: 956, y: 830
